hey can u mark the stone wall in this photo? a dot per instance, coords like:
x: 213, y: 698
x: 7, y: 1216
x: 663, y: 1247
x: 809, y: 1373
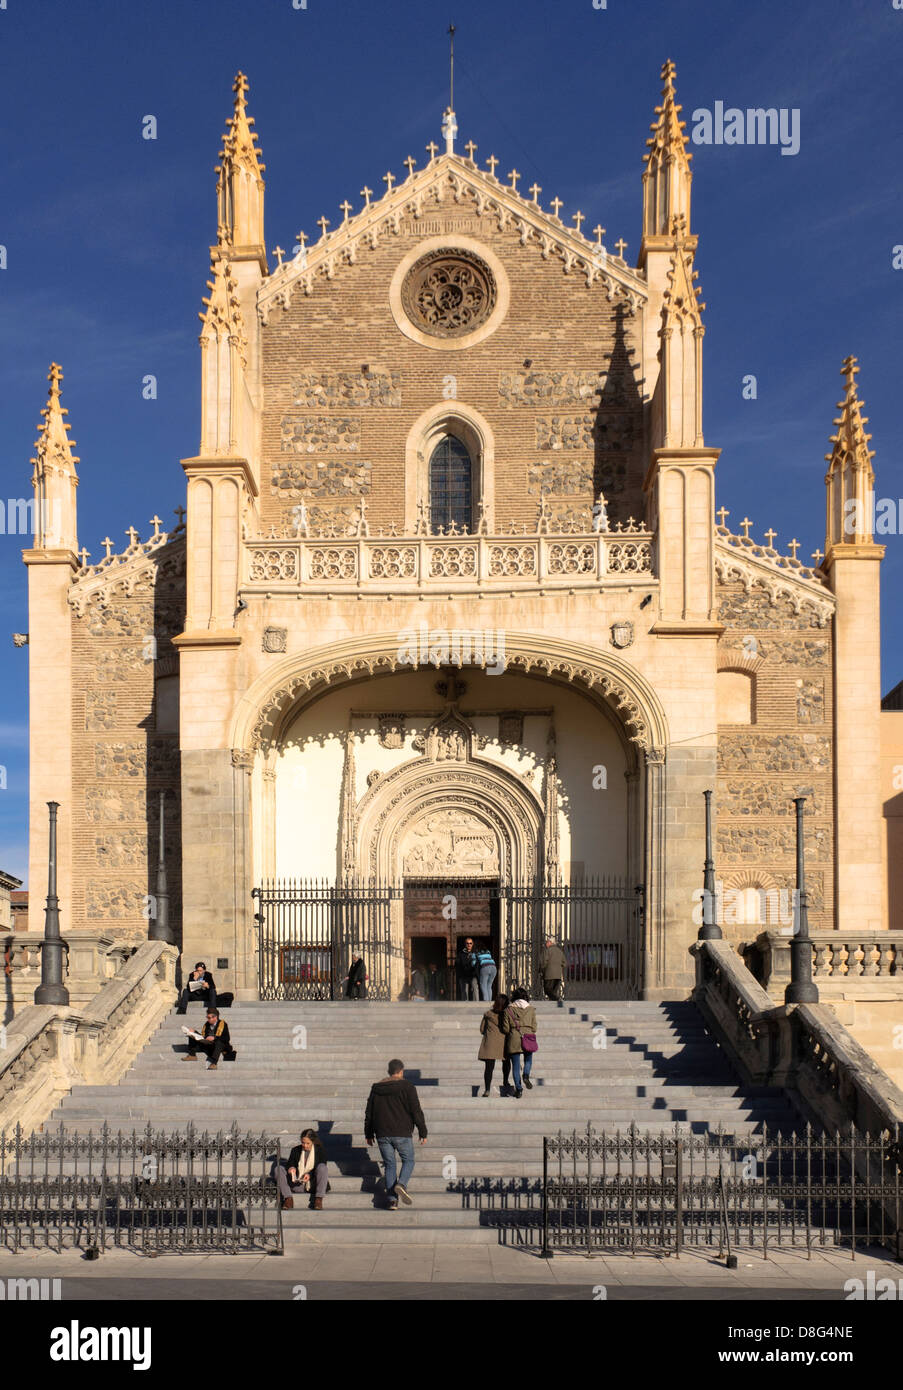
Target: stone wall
x: 786, y: 752
x: 122, y: 642
x: 341, y: 385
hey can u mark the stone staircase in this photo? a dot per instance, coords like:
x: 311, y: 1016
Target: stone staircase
x: 305, y: 1065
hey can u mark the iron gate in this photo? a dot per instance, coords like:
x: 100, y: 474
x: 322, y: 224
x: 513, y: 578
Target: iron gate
x: 309, y: 931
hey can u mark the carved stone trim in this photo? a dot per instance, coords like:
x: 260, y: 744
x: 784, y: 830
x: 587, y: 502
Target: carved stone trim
x: 800, y: 591
x: 623, y: 688
x: 490, y: 198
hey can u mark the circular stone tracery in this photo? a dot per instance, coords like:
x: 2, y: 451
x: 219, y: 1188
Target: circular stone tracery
x: 448, y: 293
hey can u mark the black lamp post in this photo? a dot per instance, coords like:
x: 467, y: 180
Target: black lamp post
x: 51, y: 990
x: 802, y: 988
x: 160, y: 929
x: 710, y: 930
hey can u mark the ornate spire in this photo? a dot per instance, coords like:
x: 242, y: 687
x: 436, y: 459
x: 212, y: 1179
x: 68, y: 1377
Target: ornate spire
x: 850, y: 478
x: 681, y: 300
x: 667, y: 177
x: 240, y: 185
x: 223, y: 356
x: 54, y: 476
x: 222, y: 315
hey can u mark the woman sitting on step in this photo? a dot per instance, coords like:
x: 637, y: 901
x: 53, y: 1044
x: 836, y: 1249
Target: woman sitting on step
x: 306, y: 1171
x: 492, y: 1047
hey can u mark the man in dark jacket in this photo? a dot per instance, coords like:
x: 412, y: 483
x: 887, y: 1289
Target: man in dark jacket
x: 393, y: 1109
x: 199, y: 985
x: 468, y: 971
x: 215, y: 1037
x: 553, y: 965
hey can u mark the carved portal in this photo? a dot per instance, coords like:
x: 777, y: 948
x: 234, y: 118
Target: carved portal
x: 451, y: 842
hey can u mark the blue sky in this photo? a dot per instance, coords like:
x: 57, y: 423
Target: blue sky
x: 107, y: 234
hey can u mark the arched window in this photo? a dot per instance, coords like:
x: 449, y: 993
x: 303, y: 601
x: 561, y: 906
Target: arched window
x: 451, y: 489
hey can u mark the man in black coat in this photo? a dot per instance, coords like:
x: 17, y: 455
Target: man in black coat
x: 204, y: 988
x: 393, y: 1109
x: 215, y: 1037
x: 468, y: 971
x: 357, y: 977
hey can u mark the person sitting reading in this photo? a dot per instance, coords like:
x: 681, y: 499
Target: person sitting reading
x: 215, y: 1037
x: 306, y: 1172
x: 199, y: 985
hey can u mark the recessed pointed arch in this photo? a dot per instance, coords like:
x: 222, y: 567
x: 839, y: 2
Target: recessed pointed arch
x: 449, y: 419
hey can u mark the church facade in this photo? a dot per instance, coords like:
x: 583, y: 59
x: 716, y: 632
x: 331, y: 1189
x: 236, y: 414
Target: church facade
x: 449, y: 636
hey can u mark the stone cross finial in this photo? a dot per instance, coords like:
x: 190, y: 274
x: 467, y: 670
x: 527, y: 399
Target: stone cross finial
x: 621, y: 244
x: 109, y: 546
x: 746, y: 523
x: 769, y: 536
x: 598, y: 233
x: 346, y: 208
x: 817, y: 557
x: 535, y: 189
x: 557, y: 204
x: 470, y: 147
x: 722, y: 515
x: 514, y: 176
x: 180, y: 513
x: 410, y: 164
x: 579, y: 218
x: 132, y: 535
x: 301, y: 238
x: 156, y: 523
x: 492, y: 162
x: 366, y: 194
x: 84, y: 554
x: 432, y: 149
x: 793, y: 546
x: 323, y: 223
x: 389, y: 179
x: 278, y: 253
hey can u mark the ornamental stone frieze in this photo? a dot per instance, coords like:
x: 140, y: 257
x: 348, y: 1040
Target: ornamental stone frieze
x: 777, y: 591
x: 337, y: 390
x: 766, y: 798
x: 115, y: 804
x: 450, y: 179
x: 758, y: 752
x: 785, y: 651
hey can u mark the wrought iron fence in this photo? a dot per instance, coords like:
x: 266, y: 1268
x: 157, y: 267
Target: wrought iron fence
x: 150, y: 1192
x: 309, y: 932
x: 661, y: 1191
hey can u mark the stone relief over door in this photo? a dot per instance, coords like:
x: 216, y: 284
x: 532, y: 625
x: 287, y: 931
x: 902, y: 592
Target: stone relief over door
x: 450, y: 842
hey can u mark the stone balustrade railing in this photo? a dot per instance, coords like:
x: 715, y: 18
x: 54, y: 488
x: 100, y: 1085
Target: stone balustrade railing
x: 838, y: 959
x: 802, y: 1047
x: 48, y: 1049
x: 93, y: 958
x: 449, y: 563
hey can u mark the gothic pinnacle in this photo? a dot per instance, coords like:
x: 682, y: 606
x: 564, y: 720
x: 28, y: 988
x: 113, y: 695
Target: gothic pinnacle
x: 54, y: 432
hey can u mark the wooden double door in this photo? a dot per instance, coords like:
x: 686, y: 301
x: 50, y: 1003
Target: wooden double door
x: 438, y: 918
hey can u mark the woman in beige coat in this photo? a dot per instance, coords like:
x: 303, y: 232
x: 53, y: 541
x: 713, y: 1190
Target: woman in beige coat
x: 519, y: 1018
x: 492, y: 1046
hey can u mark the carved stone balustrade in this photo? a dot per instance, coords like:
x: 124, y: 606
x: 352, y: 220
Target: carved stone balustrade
x: 801, y: 1046
x: 47, y: 1049
x: 449, y: 564
x: 94, y: 958
x: 865, y: 965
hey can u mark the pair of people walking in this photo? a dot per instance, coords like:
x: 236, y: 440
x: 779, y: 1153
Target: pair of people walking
x: 476, y: 971
x: 509, y: 1036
